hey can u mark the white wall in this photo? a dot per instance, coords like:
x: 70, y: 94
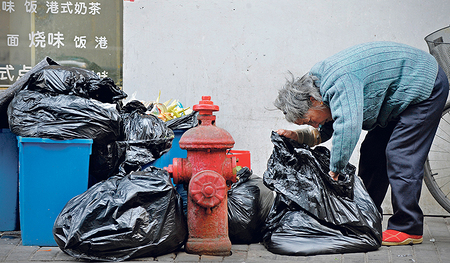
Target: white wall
x: 239, y: 52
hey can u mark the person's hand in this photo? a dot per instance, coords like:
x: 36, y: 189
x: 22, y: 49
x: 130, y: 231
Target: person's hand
x: 306, y: 134
x: 334, y: 176
x: 288, y: 134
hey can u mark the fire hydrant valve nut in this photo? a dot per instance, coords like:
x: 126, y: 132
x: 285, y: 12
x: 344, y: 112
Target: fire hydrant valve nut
x: 208, y: 188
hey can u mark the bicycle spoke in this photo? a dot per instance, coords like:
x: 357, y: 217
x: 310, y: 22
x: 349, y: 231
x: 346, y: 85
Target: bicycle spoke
x: 442, y: 138
x: 445, y: 193
x: 442, y: 186
x: 439, y: 164
x: 434, y: 151
x: 444, y: 118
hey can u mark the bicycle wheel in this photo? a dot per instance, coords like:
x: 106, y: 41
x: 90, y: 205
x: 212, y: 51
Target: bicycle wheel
x: 437, y: 165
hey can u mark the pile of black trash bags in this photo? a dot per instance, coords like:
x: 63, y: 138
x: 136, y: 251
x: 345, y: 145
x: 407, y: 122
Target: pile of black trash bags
x: 64, y: 103
x: 129, y: 211
x: 313, y: 214
x: 141, y: 215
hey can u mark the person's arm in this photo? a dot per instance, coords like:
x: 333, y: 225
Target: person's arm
x: 326, y: 132
x: 307, y: 135
x: 346, y: 101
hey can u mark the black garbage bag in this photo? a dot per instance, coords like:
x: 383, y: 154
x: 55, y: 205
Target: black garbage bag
x: 136, y: 154
x: 138, y: 215
x: 184, y: 122
x: 248, y: 201
x: 138, y: 125
x: 146, y: 137
x: 75, y: 81
x: 7, y: 95
x: 266, y: 198
x: 312, y: 213
x: 104, y: 162
x: 63, y: 117
x: 106, y: 158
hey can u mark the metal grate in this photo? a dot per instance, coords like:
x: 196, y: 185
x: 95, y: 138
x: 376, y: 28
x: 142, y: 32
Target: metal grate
x: 439, y: 45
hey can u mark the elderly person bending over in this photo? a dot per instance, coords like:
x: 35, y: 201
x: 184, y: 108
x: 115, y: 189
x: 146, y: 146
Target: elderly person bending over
x: 394, y: 91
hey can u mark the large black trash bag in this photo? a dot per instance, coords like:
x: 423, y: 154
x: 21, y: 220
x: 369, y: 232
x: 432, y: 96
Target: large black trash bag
x: 139, y: 215
x: 312, y: 213
x: 138, y: 125
x: 75, y: 81
x: 184, y: 122
x: 248, y: 200
x: 146, y: 137
x: 7, y: 95
x: 63, y: 117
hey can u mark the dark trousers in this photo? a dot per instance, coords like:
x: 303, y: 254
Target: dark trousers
x: 395, y: 156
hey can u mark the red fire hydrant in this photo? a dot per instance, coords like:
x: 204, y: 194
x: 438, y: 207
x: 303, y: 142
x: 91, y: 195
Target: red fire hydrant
x: 209, y: 173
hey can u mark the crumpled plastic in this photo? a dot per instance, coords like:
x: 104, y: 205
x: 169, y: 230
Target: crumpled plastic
x: 63, y: 117
x: 138, y: 215
x: 65, y: 103
x: 75, y: 81
x: 7, y: 95
x: 249, y: 202
x: 138, y: 125
x: 145, y: 139
x: 313, y: 214
x: 184, y: 122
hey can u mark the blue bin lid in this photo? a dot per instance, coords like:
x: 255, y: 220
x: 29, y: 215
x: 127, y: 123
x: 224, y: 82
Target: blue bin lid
x: 47, y: 140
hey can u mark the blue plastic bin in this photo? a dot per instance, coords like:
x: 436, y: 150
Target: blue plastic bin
x: 9, y: 178
x: 174, y: 152
x: 167, y: 158
x: 51, y: 173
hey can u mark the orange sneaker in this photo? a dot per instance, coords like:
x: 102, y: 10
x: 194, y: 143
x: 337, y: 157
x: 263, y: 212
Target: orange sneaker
x: 396, y: 238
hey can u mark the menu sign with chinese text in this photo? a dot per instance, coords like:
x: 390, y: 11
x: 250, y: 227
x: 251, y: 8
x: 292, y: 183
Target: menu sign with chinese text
x: 85, y: 34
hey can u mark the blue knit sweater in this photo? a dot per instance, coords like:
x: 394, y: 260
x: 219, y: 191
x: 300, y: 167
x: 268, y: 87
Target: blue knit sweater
x: 368, y: 85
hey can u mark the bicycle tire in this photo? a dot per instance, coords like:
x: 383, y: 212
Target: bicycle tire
x: 437, y: 165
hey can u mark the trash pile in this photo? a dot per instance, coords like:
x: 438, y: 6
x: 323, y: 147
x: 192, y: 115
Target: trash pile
x: 132, y: 209
x: 128, y: 211
x: 64, y: 103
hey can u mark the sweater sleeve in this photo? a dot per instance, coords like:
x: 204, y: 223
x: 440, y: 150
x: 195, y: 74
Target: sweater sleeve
x: 345, y: 98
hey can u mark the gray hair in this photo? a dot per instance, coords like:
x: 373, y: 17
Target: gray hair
x: 294, y: 98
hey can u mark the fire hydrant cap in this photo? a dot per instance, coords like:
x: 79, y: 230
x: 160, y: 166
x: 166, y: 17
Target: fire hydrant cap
x: 205, y: 105
x: 206, y: 137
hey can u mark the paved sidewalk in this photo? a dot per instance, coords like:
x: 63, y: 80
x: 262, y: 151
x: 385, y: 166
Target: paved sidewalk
x: 434, y: 249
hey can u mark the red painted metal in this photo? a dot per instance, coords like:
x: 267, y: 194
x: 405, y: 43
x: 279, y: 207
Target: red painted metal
x: 209, y: 173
